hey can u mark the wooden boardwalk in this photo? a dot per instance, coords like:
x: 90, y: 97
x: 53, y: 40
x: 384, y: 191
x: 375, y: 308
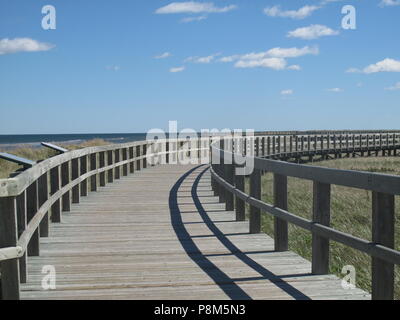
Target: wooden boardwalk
x: 161, y: 234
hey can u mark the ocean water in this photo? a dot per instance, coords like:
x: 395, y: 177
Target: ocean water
x: 9, y: 141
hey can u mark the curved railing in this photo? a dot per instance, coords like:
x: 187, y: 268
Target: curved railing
x: 265, y: 154
x: 29, y: 201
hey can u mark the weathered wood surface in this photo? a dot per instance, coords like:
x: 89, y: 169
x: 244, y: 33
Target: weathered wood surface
x: 155, y: 235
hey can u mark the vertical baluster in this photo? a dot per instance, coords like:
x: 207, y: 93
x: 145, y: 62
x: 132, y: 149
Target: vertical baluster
x: 22, y: 223
x: 255, y: 192
x: 138, y: 154
x: 383, y: 222
x: 84, y: 169
x: 124, y: 158
x: 75, y: 172
x: 102, y: 163
x: 239, y: 203
x: 229, y: 177
x: 65, y: 178
x: 110, y: 162
x: 117, y: 169
x: 93, y: 167
x: 10, y: 280
x: 269, y: 145
x: 280, y: 201
x: 321, y: 215
x: 54, y: 187
x: 31, y: 210
x: 145, y: 156
x: 43, y: 195
x: 132, y: 163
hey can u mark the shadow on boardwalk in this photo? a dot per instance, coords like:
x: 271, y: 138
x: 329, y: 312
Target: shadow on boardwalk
x: 227, y: 284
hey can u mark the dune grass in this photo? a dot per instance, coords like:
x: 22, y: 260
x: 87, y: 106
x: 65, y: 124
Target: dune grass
x: 40, y: 153
x: 351, y: 212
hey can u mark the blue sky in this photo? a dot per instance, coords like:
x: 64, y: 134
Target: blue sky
x: 108, y: 66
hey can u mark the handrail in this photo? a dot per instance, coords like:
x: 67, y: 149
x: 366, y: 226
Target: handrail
x: 230, y: 188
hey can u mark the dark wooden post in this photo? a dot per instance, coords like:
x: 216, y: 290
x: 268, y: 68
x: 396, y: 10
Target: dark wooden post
x: 84, y: 169
x: 43, y: 196
x: 263, y: 146
x: 75, y: 172
x: 321, y: 215
x: 144, y: 155
x: 124, y: 158
x: 21, y: 223
x: 102, y: 163
x: 93, y: 166
x: 221, y: 172
x: 273, y: 145
x: 8, y: 238
x: 229, y: 177
x: 269, y: 145
x: 255, y: 192
x: 31, y: 210
x: 110, y: 161
x: 65, y: 178
x: 54, y: 187
x: 117, y: 169
x: 239, y: 203
x: 280, y: 201
x: 132, y: 163
x: 138, y: 154
x: 383, y: 223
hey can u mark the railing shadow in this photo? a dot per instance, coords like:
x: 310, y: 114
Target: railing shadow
x: 226, y: 283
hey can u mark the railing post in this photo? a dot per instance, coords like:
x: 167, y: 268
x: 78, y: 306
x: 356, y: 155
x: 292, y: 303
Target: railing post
x: 75, y: 169
x: 321, y: 215
x: 8, y: 238
x: 221, y: 172
x: 54, y: 187
x: 383, y: 222
x: 144, y: 155
x: 229, y: 177
x: 125, y: 166
x: 239, y: 203
x: 110, y: 161
x: 255, y: 192
x: 138, y: 162
x: 132, y: 163
x: 43, y: 196
x: 102, y: 163
x: 117, y: 169
x: 84, y: 184
x: 280, y: 201
x: 65, y: 178
x: 93, y: 166
x: 32, y: 208
x: 22, y: 223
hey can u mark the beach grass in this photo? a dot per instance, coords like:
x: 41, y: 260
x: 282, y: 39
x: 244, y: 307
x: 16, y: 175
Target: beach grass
x: 40, y: 153
x: 351, y: 212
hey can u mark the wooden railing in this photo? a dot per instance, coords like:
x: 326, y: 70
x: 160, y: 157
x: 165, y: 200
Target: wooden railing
x: 29, y: 201
x: 228, y: 155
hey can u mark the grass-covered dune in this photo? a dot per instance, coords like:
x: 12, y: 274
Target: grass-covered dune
x: 40, y: 153
x: 351, y: 212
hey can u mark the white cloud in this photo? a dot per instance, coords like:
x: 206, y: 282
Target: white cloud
x: 113, y: 68
x: 386, y: 65
x: 193, y: 7
x: 274, y: 58
x: 163, y: 56
x: 274, y: 53
x: 191, y: 19
x: 207, y: 59
x: 287, y: 92
x: 301, y: 13
x: 395, y: 87
x: 272, y: 63
x: 389, y: 3
x: 294, y: 67
x: 8, y: 46
x: 312, y: 32
x: 177, y: 69
x: 335, y: 90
